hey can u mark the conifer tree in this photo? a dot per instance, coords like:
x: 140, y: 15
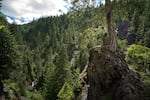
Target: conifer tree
x: 8, y: 54
x: 56, y: 77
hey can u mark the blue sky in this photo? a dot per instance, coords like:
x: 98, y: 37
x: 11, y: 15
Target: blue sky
x: 24, y: 11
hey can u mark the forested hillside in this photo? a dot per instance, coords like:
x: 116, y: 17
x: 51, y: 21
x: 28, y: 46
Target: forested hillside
x: 45, y: 59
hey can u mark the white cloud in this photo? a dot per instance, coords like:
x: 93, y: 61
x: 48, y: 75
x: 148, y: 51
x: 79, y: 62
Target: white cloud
x: 29, y: 9
x: 33, y: 9
x: 103, y: 2
x: 9, y: 20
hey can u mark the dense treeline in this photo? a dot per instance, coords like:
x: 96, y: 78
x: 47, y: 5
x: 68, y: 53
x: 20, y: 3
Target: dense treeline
x: 53, y: 51
x: 45, y: 57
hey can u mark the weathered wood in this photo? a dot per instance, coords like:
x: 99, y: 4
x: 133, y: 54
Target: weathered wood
x: 111, y: 41
x: 110, y: 77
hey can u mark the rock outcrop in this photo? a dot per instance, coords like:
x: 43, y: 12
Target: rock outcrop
x: 124, y: 32
x: 110, y: 77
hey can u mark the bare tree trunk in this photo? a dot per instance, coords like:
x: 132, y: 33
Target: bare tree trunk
x: 111, y: 41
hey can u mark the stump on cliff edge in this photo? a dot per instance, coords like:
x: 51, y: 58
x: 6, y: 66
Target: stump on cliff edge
x: 110, y: 77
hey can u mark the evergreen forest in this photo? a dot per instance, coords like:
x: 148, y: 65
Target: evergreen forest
x: 50, y: 58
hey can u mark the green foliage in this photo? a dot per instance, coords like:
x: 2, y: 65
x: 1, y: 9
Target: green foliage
x: 139, y: 56
x: 43, y: 47
x: 122, y: 45
x: 44, y: 56
x: 12, y: 88
x: 60, y: 73
x: 83, y: 58
x: 147, y: 87
x: 50, y: 87
x: 38, y: 52
x: 56, y: 75
x: 8, y: 53
x: 2, y: 26
x: 66, y: 92
x: 137, y: 12
x: 34, y: 96
x: 90, y: 38
x: 12, y: 85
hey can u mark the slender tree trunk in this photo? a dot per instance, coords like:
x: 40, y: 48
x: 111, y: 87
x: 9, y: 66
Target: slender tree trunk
x: 111, y: 41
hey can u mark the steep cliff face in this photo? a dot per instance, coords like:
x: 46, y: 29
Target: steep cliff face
x: 110, y: 78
